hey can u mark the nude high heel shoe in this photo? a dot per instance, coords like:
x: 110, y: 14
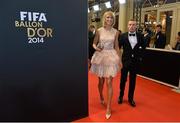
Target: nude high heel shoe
x: 108, y: 115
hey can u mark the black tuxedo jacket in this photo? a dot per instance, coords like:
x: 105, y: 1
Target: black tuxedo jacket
x: 147, y: 40
x: 91, y: 39
x: 131, y: 57
x: 160, y: 40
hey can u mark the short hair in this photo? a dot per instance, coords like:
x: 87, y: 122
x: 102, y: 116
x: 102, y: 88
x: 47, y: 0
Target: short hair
x: 178, y: 33
x: 159, y: 25
x: 132, y: 19
x: 111, y: 14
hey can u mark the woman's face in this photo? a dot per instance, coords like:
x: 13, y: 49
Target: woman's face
x: 109, y: 20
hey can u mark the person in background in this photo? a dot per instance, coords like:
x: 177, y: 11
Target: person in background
x: 160, y: 38
x: 105, y: 60
x: 147, y: 37
x: 133, y: 48
x: 177, y: 46
x: 91, y: 35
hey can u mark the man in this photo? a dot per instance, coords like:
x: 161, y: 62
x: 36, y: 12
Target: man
x: 91, y: 35
x: 133, y: 47
x: 160, y: 41
x: 147, y: 37
x: 177, y: 46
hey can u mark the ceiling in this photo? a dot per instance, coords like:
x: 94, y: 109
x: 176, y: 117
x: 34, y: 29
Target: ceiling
x: 92, y: 2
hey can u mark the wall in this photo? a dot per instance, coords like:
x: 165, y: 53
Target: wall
x: 175, y: 7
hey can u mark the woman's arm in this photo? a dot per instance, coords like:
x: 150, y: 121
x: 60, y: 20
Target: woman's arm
x: 96, y: 40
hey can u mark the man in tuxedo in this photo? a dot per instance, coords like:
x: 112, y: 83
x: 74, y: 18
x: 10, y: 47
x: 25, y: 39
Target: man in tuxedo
x: 177, y: 46
x: 91, y: 35
x: 133, y: 47
x: 160, y: 41
x: 147, y: 37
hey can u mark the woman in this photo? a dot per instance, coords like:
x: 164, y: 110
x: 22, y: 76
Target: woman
x: 105, y: 61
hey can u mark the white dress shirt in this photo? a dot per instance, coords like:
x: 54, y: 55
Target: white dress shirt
x: 132, y: 39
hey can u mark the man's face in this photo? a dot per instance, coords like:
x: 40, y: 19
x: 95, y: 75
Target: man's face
x: 92, y: 29
x: 178, y: 38
x: 158, y: 29
x: 132, y: 26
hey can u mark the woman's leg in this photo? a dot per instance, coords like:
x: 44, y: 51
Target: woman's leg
x: 100, y: 88
x: 109, y: 96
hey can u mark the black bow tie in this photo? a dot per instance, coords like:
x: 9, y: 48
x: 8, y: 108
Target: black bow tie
x: 131, y: 34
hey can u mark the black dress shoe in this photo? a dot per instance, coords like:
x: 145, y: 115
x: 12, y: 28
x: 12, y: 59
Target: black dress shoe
x: 132, y: 103
x: 120, y: 100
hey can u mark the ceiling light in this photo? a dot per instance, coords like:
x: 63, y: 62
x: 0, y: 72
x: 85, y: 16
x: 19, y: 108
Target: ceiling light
x: 108, y: 4
x: 96, y: 7
x: 122, y: 1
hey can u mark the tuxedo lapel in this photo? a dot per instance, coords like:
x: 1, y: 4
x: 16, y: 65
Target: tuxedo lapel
x: 138, y: 39
x: 127, y: 39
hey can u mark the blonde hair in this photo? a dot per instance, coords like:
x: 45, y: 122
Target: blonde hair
x: 106, y: 14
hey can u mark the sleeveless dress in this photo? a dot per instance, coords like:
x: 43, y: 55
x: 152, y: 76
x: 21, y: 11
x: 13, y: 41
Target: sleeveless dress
x: 106, y: 62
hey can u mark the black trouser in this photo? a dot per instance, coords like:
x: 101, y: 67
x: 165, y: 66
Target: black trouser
x: 132, y: 81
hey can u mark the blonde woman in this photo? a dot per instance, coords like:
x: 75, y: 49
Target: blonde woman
x: 105, y: 61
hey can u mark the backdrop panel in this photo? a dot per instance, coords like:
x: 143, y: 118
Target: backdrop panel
x: 161, y: 65
x: 43, y: 60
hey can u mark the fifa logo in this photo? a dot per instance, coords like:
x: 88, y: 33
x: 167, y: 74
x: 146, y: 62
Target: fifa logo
x: 33, y: 22
x: 33, y: 16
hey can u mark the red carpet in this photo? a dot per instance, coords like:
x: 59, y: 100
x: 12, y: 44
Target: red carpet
x: 154, y: 103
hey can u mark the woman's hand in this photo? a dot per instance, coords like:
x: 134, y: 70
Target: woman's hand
x: 99, y: 49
